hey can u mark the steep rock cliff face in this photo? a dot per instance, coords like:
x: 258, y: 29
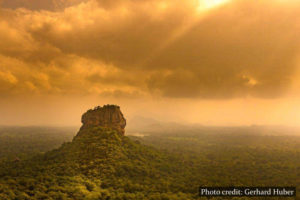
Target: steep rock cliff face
x: 108, y: 116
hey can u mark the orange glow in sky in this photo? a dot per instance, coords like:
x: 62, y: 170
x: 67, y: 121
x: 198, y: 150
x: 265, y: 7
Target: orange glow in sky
x: 210, y: 4
x: 213, y: 62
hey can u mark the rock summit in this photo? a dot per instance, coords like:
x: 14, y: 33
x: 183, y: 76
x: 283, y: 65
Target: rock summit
x: 108, y: 116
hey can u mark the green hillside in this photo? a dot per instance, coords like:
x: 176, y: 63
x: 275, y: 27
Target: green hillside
x: 100, y: 164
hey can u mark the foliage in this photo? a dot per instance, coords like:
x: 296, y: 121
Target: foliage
x: 20, y: 142
x: 102, y: 165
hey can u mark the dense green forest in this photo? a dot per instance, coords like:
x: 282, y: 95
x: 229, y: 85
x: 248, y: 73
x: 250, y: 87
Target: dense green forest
x: 21, y: 142
x: 102, y: 165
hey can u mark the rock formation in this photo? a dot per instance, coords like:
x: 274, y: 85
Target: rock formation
x: 109, y: 116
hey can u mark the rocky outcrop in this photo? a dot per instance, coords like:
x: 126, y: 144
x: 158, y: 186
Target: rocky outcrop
x: 109, y: 116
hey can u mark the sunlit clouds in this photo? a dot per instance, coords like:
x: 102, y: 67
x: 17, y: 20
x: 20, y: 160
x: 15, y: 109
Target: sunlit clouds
x: 205, y: 5
x: 158, y: 50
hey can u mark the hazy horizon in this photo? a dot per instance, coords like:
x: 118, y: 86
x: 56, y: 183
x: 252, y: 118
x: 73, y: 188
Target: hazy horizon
x: 208, y: 62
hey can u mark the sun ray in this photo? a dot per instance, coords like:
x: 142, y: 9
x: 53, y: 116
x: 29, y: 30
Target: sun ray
x: 210, y: 4
x: 202, y: 10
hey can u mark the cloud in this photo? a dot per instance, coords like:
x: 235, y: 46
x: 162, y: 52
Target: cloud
x: 226, y: 53
x: 8, y: 78
x: 163, y: 48
x: 52, y: 5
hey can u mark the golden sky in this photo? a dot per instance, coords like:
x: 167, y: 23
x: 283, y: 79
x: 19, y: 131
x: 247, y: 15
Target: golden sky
x: 214, y: 62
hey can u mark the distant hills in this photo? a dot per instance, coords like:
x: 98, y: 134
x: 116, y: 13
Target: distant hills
x: 140, y: 124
